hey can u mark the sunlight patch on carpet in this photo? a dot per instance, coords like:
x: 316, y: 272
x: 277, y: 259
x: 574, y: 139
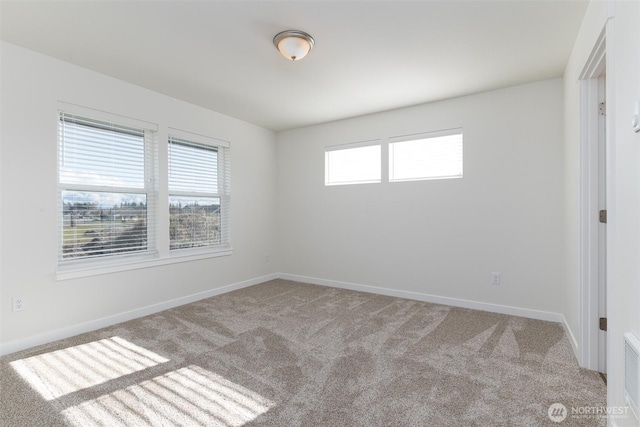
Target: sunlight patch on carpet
x: 61, y: 372
x: 187, y: 396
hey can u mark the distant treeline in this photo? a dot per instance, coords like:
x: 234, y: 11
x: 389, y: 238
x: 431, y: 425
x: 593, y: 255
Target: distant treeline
x: 193, y: 225
x: 123, y: 228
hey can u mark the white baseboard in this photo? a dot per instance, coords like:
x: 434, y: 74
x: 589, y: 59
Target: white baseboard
x: 455, y: 302
x: 572, y: 339
x: 58, y: 334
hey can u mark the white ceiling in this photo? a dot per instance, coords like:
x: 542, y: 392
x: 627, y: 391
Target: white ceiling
x: 369, y: 56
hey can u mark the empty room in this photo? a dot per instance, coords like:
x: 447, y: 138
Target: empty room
x: 320, y: 213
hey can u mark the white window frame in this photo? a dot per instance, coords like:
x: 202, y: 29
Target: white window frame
x: 457, y: 151
x: 329, y: 163
x: 221, y: 192
x: 159, y: 235
x: 150, y: 131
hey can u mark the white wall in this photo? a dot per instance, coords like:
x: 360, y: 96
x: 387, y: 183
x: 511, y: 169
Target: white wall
x: 620, y: 20
x: 439, y: 237
x: 32, y: 84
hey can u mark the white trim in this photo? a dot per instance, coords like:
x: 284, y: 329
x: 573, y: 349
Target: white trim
x: 612, y: 345
x: 588, y: 224
x: 572, y: 338
x: 106, y: 116
x: 116, y: 265
x: 196, y: 137
x: 588, y: 354
x: 595, y: 64
x: 350, y: 145
x: 426, y: 135
x: 58, y: 334
x: 455, y: 302
x: 62, y: 333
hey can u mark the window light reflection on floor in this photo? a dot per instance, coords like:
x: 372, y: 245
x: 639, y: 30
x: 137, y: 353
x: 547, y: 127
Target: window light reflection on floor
x: 187, y: 396
x: 65, y: 371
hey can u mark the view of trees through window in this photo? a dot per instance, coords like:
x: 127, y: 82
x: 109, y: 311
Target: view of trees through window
x: 108, y: 190
x: 194, y: 222
x: 98, y: 224
x: 194, y: 202
x: 103, y: 188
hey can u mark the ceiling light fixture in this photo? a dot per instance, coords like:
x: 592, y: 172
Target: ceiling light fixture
x: 293, y: 44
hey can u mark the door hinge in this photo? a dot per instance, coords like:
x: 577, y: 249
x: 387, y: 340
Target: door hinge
x: 603, y: 216
x: 603, y: 323
x: 602, y: 109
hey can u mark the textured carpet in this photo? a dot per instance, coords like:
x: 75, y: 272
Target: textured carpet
x: 289, y: 354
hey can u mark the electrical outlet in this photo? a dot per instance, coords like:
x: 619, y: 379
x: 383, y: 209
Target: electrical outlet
x: 266, y: 258
x: 495, y: 278
x: 18, y: 304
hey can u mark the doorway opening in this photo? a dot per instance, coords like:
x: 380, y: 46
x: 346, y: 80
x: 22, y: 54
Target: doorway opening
x: 593, y: 218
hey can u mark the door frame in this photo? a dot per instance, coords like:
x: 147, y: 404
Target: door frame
x: 595, y: 66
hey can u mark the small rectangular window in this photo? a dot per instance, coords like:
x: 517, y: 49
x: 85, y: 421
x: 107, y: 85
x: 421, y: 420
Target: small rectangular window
x: 105, y: 189
x: 198, y: 192
x: 358, y: 163
x: 435, y: 155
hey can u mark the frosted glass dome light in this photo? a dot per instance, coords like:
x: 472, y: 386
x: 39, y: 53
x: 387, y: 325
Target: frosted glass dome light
x: 293, y: 44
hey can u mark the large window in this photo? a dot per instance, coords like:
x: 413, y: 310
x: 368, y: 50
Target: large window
x: 433, y: 155
x: 357, y: 163
x: 111, y: 173
x: 106, y: 187
x: 198, y: 191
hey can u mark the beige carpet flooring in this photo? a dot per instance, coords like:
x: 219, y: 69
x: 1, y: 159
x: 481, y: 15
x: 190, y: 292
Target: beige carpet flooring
x: 290, y: 354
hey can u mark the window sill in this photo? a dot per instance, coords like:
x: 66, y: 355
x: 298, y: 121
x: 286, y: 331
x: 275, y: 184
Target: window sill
x: 111, y: 267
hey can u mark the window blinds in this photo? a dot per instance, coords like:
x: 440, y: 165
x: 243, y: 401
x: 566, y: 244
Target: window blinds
x: 357, y: 163
x: 198, y: 193
x: 105, y: 188
x: 426, y: 156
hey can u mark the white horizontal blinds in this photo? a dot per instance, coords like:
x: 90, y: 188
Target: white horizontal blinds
x: 197, y: 196
x: 100, y: 153
x: 105, y: 188
x: 435, y: 155
x: 193, y: 167
x: 353, y: 164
